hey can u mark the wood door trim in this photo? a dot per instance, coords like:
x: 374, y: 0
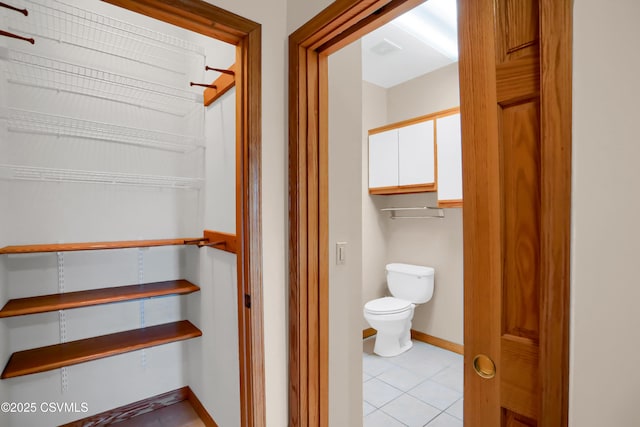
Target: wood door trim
x: 481, y: 222
x: 339, y: 24
x: 555, y: 139
x: 308, y: 213
x: 205, y: 18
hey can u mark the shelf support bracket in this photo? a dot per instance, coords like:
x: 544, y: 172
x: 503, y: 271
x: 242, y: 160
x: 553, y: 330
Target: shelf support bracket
x: 222, y: 84
x: 62, y: 321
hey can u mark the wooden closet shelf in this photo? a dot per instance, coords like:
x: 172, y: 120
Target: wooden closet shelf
x: 60, y: 355
x: 64, y: 301
x: 94, y: 246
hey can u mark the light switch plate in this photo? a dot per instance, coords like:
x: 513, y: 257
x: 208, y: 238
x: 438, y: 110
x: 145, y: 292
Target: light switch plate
x: 341, y: 253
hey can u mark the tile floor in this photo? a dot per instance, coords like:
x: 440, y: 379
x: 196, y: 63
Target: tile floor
x: 421, y: 387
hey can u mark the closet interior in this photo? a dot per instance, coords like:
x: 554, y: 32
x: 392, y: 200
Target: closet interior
x: 117, y: 149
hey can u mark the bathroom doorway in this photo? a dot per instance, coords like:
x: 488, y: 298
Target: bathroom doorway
x: 507, y: 205
x: 374, y: 84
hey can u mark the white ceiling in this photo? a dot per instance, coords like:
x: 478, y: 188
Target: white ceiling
x: 392, y: 55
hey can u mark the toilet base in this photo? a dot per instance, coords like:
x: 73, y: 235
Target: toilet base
x: 389, y: 345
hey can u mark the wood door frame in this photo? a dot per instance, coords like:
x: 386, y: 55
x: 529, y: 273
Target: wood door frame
x: 343, y: 22
x: 212, y: 21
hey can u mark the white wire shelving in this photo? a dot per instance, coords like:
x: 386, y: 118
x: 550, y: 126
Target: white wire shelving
x: 64, y: 23
x: 81, y: 30
x: 29, y: 173
x: 22, y: 121
x: 42, y: 72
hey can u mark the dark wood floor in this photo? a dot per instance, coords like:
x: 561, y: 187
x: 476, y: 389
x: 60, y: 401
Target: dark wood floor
x: 179, y: 414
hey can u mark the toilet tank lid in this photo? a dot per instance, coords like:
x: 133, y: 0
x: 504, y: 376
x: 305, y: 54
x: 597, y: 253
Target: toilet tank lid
x: 416, y: 270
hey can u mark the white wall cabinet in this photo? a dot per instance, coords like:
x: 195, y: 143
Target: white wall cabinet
x: 383, y: 159
x: 419, y: 155
x: 402, y: 159
x: 449, y: 140
x: 416, y: 151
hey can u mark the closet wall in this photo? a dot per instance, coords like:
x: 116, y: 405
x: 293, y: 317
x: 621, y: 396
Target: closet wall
x: 102, y: 139
x: 213, y: 367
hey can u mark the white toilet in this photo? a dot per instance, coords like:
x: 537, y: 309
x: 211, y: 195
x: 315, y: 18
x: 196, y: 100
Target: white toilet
x: 391, y: 316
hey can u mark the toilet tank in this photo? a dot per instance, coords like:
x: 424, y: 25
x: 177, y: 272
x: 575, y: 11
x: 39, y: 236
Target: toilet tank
x: 410, y: 282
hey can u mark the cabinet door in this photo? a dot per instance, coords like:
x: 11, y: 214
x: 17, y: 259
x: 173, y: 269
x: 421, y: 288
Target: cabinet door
x: 383, y: 159
x: 416, y: 154
x: 449, y: 160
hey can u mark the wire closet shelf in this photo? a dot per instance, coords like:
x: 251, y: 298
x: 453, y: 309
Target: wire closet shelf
x: 22, y: 121
x: 63, y: 23
x: 42, y: 72
x: 68, y: 24
x: 29, y: 173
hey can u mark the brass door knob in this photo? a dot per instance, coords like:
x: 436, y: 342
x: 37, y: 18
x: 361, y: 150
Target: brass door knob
x: 484, y: 366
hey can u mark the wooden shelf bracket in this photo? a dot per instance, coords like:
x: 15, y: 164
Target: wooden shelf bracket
x: 221, y: 85
x: 219, y: 240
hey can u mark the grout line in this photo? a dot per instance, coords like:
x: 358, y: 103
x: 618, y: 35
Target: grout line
x: 429, y: 378
x: 393, y: 416
x: 448, y: 407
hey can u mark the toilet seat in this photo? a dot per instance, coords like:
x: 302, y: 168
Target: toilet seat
x: 387, y: 305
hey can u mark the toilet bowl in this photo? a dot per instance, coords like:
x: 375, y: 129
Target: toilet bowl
x: 391, y: 316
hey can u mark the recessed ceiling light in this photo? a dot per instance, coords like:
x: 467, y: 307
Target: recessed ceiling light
x: 434, y: 23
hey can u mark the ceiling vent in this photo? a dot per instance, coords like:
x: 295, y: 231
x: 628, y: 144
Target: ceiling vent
x: 385, y: 47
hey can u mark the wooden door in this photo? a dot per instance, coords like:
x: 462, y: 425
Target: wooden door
x: 515, y: 59
x: 515, y: 77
